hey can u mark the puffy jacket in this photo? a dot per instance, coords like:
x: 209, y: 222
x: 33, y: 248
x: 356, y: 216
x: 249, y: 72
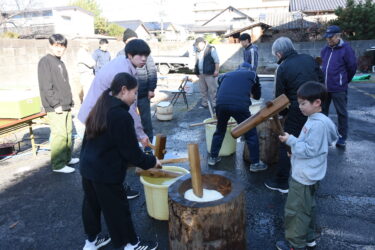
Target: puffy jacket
x: 294, y: 70
x: 339, y: 66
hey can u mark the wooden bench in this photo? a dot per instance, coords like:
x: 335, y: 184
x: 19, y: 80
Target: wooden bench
x: 10, y: 126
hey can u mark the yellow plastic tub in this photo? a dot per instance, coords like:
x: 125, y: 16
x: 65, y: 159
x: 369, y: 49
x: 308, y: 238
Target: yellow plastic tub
x: 229, y: 143
x: 156, y: 193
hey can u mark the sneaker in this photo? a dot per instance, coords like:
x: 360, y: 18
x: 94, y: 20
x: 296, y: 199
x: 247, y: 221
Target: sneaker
x: 273, y: 185
x: 284, y: 245
x: 256, y: 167
x: 311, y: 244
x: 130, y: 193
x: 97, y: 243
x: 213, y: 160
x: 73, y: 161
x: 142, y: 245
x: 341, y: 143
x: 65, y: 170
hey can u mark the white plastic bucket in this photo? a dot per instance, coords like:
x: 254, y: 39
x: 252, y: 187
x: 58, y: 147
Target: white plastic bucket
x: 189, y: 88
x: 256, y: 105
x: 157, y: 194
x: 229, y: 143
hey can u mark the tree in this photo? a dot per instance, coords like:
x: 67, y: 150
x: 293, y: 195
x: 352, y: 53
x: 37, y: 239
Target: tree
x: 357, y: 20
x: 11, y: 8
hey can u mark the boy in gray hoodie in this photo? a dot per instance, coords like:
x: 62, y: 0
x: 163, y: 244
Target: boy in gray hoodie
x: 309, y: 165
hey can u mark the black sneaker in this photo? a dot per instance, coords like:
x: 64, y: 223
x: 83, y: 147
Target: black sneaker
x: 284, y: 245
x: 273, y: 185
x: 341, y: 143
x: 99, y: 242
x: 213, y: 160
x: 142, y: 245
x: 130, y: 193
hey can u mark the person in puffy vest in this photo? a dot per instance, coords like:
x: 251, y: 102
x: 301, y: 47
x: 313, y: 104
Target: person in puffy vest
x: 207, y: 69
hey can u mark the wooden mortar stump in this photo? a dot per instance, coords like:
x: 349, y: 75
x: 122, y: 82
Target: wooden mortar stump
x: 218, y: 224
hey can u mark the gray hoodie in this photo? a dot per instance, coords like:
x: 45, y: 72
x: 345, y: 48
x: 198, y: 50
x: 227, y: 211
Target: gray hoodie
x: 310, y: 149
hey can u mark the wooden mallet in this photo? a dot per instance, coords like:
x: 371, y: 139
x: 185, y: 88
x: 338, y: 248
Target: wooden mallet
x: 272, y: 109
x: 195, y: 169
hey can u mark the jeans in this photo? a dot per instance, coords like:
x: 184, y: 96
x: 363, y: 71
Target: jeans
x: 340, y: 101
x: 223, y: 113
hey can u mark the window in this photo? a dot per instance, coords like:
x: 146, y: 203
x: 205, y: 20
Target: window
x: 47, y: 13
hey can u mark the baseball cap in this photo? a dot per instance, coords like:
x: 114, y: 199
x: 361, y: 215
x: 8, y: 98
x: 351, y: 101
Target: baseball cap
x: 331, y: 31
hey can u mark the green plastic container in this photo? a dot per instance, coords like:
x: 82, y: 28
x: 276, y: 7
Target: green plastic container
x: 229, y: 143
x: 17, y: 104
x: 156, y: 193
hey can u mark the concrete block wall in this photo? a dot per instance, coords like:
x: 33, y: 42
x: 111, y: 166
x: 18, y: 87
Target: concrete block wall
x: 19, y: 58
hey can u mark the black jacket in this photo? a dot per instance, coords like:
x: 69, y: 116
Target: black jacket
x: 294, y: 70
x: 105, y: 158
x: 54, y: 84
x: 236, y: 87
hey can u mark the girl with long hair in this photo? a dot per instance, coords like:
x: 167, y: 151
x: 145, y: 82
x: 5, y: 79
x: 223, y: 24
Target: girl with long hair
x: 109, y: 146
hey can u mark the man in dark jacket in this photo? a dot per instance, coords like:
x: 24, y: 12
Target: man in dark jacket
x: 147, y: 80
x: 207, y: 69
x: 293, y: 71
x: 233, y: 100
x: 57, y: 101
x: 339, y: 67
x: 250, y: 53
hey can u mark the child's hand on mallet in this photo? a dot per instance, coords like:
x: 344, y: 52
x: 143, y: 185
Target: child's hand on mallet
x: 158, y: 164
x: 284, y: 138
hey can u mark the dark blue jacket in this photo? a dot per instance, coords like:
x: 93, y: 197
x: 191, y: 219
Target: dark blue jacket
x: 250, y: 55
x: 339, y: 66
x: 236, y: 87
x: 106, y: 157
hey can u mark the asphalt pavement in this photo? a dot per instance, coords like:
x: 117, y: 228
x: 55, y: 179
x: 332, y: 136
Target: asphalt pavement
x: 40, y: 209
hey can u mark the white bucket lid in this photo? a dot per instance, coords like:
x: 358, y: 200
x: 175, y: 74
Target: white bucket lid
x: 164, y: 104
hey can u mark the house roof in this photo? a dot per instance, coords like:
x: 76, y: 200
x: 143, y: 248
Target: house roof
x: 317, y: 5
x: 286, y: 21
x: 132, y: 24
x: 247, y: 28
x: 230, y: 8
x: 208, y: 29
x: 155, y: 26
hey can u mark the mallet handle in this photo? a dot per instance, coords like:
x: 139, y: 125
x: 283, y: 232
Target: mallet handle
x: 195, y: 169
x: 277, y: 123
x: 176, y: 160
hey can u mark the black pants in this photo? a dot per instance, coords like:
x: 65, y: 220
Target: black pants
x: 223, y: 113
x: 293, y: 125
x: 145, y: 113
x: 340, y: 101
x: 109, y: 199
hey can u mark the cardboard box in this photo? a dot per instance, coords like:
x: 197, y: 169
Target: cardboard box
x: 17, y: 104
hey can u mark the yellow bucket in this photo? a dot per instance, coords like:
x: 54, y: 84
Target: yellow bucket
x: 156, y: 193
x: 229, y: 143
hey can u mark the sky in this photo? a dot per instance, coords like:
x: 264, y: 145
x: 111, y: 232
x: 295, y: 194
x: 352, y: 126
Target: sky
x: 177, y: 11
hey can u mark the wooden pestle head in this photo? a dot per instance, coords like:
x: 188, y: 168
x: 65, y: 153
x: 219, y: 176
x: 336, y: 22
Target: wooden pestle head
x: 271, y: 109
x: 160, y: 142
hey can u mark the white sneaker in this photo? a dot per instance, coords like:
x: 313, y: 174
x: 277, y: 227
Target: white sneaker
x: 73, y: 161
x: 65, y: 170
x: 97, y: 243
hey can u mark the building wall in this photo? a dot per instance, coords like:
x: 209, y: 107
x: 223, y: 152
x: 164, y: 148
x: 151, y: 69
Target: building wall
x: 73, y: 22
x: 142, y: 33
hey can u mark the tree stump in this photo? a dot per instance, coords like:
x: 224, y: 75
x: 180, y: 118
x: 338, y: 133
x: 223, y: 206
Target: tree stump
x: 217, y: 224
x: 268, y: 143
